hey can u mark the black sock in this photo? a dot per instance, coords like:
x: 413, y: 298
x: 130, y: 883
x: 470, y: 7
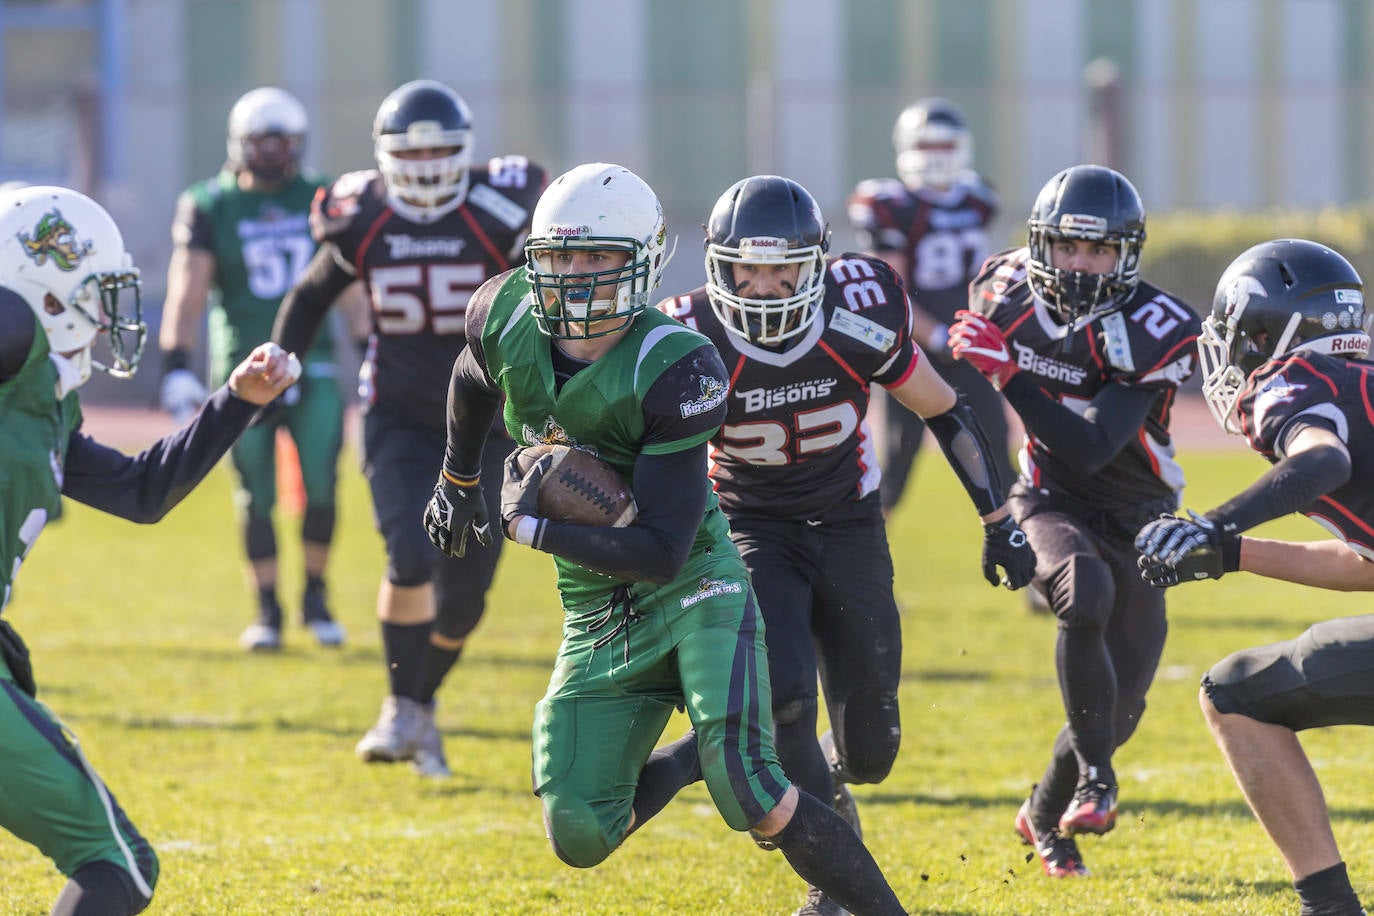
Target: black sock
x: 668, y: 770
x: 1328, y: 893
x: 434, y: 667
x: 404, y: 646
x: 99, y: 889
x: 822, y: 848
x: 269, y: 609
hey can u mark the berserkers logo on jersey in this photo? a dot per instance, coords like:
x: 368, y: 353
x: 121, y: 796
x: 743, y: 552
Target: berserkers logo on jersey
x: 756, y: 399
x: 712, y: 395
x: 405, y: 247
x: 712, y: 588
x: 1043, y: 366
x: 552, y: 433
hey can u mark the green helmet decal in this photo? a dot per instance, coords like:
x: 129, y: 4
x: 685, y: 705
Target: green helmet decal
x: 55, y: 238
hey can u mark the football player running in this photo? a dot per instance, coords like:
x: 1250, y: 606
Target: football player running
x: 1091, y: 357
x: 65, y: 279
x: 803, y: 338
x: 421, y: 232
x: 659, y: 613
x: 1283, y: 356
x: 245, y: 234
x: 931, y: 225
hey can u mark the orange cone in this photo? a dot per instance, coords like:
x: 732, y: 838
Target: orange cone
x: 290, y: 484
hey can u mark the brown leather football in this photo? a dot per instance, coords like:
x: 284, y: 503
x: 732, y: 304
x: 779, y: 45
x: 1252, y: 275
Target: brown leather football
x: 579, y: 488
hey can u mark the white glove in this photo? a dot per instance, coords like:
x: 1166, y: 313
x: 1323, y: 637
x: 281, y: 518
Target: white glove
x: 182, y: 393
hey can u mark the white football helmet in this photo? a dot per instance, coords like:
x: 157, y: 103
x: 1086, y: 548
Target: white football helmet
x: 263, y: 111
x: 600, y: 207
x: 63, y: 253
x: 933, y: 143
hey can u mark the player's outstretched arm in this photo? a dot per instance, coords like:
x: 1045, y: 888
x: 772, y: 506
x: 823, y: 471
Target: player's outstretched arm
x: 305, y: 305
x: 145, y: 487
x: 1175, y: 550
x: 966, y: 448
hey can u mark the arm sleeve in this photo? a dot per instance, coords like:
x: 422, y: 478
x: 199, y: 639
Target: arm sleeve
x: 473, y: 396
x: 966, y: 449
x: 682, y: 409
x: 305, y: 305
x: 1289, y: 485
x: 671, y: 491
x: 1088, y: 442
x: 144, y: 488
x: 17, y: 330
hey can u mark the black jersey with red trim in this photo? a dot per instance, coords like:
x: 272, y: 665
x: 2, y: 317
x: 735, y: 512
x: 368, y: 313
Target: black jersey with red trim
x: 795, y: 442
x: 1150, y: 342
x: 419, y: 276
x: 1338, y: 392
x: 942, y: 232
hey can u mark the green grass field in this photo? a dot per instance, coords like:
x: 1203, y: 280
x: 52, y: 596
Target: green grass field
x: 240, y: 769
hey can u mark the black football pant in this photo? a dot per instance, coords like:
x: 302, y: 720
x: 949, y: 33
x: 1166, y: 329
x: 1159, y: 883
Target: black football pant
x: 1111, y: 632
x: 825, y: 589
x: 401, y: 461
x: 903, y: 429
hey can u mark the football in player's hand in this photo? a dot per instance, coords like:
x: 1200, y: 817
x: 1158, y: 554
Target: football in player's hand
x: 579, y: 488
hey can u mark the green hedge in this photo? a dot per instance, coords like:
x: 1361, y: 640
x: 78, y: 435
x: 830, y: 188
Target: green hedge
x: 1186, y: 251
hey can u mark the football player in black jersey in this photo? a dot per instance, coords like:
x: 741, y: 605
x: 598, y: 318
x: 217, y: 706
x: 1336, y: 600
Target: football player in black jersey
x: 803, y: 338
x: 1283, y: 355
x: 1091, y: 357
x: 931, y: 226
x: 421, y: 232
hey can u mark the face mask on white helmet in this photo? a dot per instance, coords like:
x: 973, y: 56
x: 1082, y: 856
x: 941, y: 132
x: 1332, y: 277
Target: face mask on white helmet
x: 64, y: 254
x: 267, y: 128
x: 597, y: 207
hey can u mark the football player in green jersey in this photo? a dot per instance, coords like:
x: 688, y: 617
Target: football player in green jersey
x: 245, y: 234
x: 64, y: 279
x: 658, y: 614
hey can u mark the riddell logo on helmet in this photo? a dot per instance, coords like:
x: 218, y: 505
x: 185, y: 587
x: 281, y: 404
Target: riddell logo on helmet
x: 763, y: 243
x: 570, y: 231
x: 1082, y: 224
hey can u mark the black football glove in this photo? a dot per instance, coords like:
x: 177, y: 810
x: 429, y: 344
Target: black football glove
x: 1174, y: 549
x: 456, y: 508
x: 1006, y: 545
x: 520, y: 492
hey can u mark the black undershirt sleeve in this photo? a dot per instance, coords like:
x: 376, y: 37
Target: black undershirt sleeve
x: 670, y: 485
x: 1289, y: 485
x: 305, y: 305
x: 144, y: 488
x: 1088, y: 442
x: 17, y: 330
x: 473, y: 396
x: 670, y: 491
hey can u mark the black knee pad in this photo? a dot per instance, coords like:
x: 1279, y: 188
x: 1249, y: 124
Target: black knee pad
x: 1081, y: 592
x: 259, y: 540
x: 318, y: 525
x: 410, y: 561
x: 870, y: 734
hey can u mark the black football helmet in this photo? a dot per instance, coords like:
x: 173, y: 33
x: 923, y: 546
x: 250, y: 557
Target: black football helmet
x: 1277, y: 297
x: 933, y: 143
x: 766, y: 219
x: 1086, y: 202
x: 423, y: 115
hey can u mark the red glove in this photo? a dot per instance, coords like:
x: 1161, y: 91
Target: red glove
x: 980, y: 343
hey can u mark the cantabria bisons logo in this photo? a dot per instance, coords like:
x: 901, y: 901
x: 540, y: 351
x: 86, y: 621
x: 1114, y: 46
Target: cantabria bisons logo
x: 712, y: 394
x: 55, y: 238
x: 712, y: 588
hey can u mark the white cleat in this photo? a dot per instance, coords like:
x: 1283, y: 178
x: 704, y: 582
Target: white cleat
x: 328, y: 633
x: 429, y: 759
x: 396, y: 735
x: 260, y: 638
